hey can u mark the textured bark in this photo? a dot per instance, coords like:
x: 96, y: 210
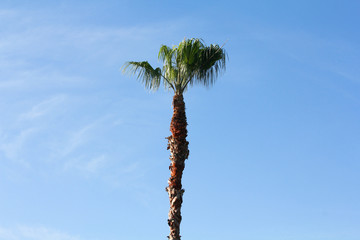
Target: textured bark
x: 179, y: 152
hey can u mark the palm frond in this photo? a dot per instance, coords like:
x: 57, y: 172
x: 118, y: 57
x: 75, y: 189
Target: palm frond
x: 212, y: 62
x: 188, y: 51
x: 167, y: 55
x: 149, y: 76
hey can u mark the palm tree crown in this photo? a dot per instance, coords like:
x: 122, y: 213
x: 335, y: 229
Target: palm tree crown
x: 191, y: 62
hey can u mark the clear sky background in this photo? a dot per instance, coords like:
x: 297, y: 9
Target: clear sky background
x: 274, y: 145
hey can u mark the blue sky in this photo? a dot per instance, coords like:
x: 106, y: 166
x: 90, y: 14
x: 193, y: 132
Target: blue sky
x: 274, y: 145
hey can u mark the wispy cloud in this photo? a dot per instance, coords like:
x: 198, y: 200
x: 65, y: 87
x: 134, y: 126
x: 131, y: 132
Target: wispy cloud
x: 34, y: 233
x: 11, y: 147
x: 115, y: 173
x: 87, y: 166
x: 7, y: 234
x: 42, y: 108
x: 40, y: 54
x: 40, y: 57
x: 34, y: 38
x: 95, y: 164
x: 19, y: 132
x: 78, y: 138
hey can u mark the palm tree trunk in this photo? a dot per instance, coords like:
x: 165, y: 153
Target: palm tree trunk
x: 179, y: 152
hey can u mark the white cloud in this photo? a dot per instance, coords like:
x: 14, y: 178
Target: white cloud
x: 7, y: 234
x: 36, y: 53
x: 77, y: 139
x: 34, y: 39
x: 91, y: 166
x: 42, y: 108
x: 50, y: 57
x: 34, y: 233
x: 12, y: 147
x: 95, y: 164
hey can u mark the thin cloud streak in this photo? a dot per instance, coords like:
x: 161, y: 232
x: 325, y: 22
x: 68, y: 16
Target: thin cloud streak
x: 92, y: 166
x: 77, y: 139
x: 49, y: 38
x: 95, y: 164
x: 32, y: 51
x: 12, y: 147
x: 42, y: 108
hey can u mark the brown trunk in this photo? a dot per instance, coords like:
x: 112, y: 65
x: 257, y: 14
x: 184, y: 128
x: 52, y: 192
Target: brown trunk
x: 178, y: 153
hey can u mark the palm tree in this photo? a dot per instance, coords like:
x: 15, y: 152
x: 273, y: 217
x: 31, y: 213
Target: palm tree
x: 189, y: 63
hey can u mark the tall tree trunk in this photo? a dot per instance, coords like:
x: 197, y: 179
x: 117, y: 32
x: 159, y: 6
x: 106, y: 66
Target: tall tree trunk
x: 179, y: 152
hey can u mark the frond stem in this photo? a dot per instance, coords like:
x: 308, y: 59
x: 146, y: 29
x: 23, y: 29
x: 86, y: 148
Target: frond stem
x: 168, y: 82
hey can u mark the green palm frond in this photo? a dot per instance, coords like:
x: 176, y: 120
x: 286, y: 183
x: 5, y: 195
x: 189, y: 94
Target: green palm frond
x: 212, y: 62
x: 149, y: 76
x: 188, y: 51
x: 203, y: 63
x: 167, y: 56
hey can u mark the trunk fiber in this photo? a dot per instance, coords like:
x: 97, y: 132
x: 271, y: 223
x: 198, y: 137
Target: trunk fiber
x: 179, y: 152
